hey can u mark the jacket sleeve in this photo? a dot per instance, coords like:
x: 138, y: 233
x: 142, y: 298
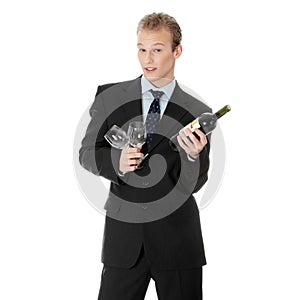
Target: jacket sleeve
x: 203, y: 166
x: 194, y: 174
x: 95, y: 154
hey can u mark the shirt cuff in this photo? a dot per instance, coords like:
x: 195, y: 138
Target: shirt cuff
x: 121, y: 174
x: 190, y: 158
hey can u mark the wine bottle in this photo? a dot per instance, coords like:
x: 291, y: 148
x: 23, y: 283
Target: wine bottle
x: 206, y: 122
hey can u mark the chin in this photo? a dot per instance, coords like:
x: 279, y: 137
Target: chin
x: 155, y: 78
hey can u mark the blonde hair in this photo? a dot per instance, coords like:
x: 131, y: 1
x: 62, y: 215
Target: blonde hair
x: 156, y: 21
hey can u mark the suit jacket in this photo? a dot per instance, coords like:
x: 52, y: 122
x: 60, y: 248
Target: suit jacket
x: 153, y: 206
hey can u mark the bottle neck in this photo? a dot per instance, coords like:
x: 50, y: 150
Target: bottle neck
x: 220, y: 113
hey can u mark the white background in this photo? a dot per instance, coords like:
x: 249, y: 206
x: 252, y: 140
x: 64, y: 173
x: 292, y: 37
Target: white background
x: 54, y: 54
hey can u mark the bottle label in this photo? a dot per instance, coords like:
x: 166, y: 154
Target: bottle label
x: 193, y: 125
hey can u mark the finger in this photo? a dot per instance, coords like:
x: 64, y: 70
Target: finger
x: 198, y: 144
x: 131, y: 168
x: 193, y: 145
x: 127, y: 164
x: 184, y: 137
x: 182, y: 144
x: 133, y: 150
x: 202, y: 136
x: 134, y: 162
x: 135, y: 155
x: 191, y: 136
x: 130, y: 162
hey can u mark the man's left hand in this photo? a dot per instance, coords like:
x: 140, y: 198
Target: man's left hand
x: 190, y: 144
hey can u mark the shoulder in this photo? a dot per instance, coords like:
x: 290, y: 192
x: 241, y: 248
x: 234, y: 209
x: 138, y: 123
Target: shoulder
x: 111, y: 95
x: 110, y: 87
x: 102, y: 88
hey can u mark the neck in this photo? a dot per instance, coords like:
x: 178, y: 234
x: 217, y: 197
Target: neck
x: 159, y: 82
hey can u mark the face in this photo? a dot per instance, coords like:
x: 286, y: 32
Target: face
x: 156, y: 56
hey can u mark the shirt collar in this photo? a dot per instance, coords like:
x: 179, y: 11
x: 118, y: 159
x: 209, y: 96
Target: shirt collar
x: 167, y: 89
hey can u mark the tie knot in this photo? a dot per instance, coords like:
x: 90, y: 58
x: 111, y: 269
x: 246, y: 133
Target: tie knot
x: 156, y: 94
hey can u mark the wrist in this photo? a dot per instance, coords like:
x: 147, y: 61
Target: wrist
x: 193, y: 157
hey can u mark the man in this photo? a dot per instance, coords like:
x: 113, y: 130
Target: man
x: 152, y: 227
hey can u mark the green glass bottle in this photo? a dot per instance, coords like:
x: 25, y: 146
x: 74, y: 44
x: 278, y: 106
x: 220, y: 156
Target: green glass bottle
x: 206, y: 122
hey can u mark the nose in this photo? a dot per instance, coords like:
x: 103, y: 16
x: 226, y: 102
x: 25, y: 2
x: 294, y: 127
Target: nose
x: 148, y: 57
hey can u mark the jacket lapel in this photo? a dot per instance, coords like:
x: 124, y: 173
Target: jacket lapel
x: 169, y: 124
x: 131, y: 101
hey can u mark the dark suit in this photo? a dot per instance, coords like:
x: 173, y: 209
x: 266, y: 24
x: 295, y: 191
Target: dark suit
x: 171, y: 242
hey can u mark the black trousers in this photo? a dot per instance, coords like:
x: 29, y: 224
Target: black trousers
x: 132, y: 284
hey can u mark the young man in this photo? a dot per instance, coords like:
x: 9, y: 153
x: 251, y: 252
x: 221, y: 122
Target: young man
x: 152, y: 227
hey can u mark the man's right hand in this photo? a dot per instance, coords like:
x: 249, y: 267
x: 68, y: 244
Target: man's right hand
x: 129, y: 159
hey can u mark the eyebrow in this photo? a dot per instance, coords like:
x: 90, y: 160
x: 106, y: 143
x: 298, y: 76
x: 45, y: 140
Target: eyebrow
x: 155, y: 44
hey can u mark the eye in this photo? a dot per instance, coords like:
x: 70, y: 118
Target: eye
x: 142, y: 50
x: 157, y: 50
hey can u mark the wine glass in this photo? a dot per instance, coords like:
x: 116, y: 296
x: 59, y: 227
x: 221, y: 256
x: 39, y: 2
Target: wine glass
x: 117, y: 137
x: 137, y: 136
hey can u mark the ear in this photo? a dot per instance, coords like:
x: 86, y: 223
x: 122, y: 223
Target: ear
x: 177, y: 51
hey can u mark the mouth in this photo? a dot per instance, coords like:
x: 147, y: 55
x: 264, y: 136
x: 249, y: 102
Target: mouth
x: 150, y: 69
